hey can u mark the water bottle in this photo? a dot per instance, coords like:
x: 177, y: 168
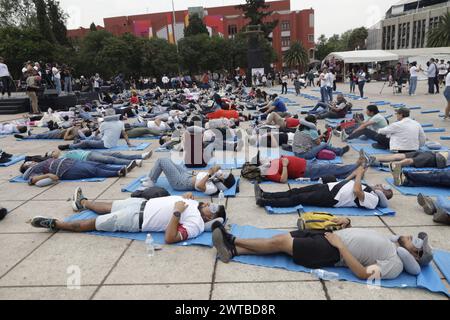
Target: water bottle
x: 320, y: 181
x: 150, y: 245
x: 305, y: 180
x: 221, y: 198
x: 325, y: 275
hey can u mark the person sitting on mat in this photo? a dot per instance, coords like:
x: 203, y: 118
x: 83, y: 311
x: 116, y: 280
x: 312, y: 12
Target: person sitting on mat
x: 373, y: 122
x: 52, y: 170
x: 114, y: 158
x: 367, y: 253
x: 276, y: 105
x: 349, y: 193
x: 210, y: 183
x: 419, y: 159
x: 308, y: 143
x: 181, y: 218
x: 440, y: 209
x: 288, y: 167
x: 405, y: 135
x: 334, y: 110
x: 419, y: 178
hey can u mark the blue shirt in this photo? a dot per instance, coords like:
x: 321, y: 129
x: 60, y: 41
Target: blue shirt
x: 279, y: 106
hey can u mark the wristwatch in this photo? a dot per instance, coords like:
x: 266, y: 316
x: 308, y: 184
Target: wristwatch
x: 177, y: 214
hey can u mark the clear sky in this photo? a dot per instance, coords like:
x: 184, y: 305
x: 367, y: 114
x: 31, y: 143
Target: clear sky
x: 332, y: 16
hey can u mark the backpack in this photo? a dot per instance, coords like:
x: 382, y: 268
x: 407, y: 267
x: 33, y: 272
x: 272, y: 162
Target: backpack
x: 251, y: 172
x: 317, y: 221
x: 326, y: 155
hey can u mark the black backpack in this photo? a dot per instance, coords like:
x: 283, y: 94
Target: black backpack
x: 151, y: 193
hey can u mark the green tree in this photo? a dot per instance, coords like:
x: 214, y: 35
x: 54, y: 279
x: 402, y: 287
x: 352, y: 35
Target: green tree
x: 196, y: 26
x: 440, y: 36
x: 93, y: 27
x: 357, y: 39
x: 296, y: 57
x: 17, y: 13
x: 192, y: 52
x: 159, y: 57
x: 57, y: 19
x: 43, y: 22
x: 256, y: 11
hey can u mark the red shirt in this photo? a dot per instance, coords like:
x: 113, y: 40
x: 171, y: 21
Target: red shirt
x: 228, y: 114
x: 292, y: 122
x: 296, y: 168
x: 134, y: 100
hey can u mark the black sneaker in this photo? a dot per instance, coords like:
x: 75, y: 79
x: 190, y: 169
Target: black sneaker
x: 3, y: 213
x: 122, y: 172
x: 63, y: 147
x: 345, y: 150
x: 225, y: 250
x: 229, y: 237
x: 19, y: 136
x: 131, y: 166
x: 427, y: 204
x: 45, y: 223
x: 259, y: 194
x: 378, y: 146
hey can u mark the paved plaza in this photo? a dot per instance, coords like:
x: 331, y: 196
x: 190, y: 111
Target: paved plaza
x: 36, y: 264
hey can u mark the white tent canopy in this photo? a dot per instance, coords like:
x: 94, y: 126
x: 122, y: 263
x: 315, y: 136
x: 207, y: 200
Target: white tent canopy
x: 363, y: 56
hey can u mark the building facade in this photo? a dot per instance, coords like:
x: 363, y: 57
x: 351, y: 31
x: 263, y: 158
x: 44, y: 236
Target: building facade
x: 222, y: 21
x: 406, y: 24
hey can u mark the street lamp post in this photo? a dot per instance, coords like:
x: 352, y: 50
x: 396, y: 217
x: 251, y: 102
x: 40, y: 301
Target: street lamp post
x: 173, y: 25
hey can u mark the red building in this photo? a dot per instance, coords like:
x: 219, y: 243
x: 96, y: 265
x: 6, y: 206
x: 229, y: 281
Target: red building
x: 224, y: 21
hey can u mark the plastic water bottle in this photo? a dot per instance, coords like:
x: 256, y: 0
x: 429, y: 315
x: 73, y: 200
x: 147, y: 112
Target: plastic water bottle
x: 221, y: 198
x: 149, y: 242
x: 325, y: 275
x: 304, y: 180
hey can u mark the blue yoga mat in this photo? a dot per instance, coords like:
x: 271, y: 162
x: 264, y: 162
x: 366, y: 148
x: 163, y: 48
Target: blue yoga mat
x: 355, y: 212
x: 430, y: 130
x: 147, y: 138
x: 20, y: 179
x: 427, y: 125
x: 335, y: 121
x: 426, y: 191
x: 361, y: 141
x: 205, y: 239
x: 164, y: 183
x: 14, y: 160
x: 442, y: 260
x: 337, y: 160
x: 427, y: 279
x: 445, y: 138
x: 139, y: 147
x: 430, y: 111
x: 369, y: 149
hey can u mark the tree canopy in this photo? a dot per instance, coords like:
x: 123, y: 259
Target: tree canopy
x: 196, y: 26
x: 256, y: 12
x: 440, y: 35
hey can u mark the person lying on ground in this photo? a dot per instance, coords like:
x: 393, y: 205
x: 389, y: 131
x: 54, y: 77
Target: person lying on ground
x: 367, y: 253
x: 418, y: 159
x: 114, y: 158
x: 110, y: 131
x: 346, y: 194
x: 11, y: 128
x: 289, y: 167
x: 373, y: 122
x: 52, y: 170
x: 58, y: 134
x: 440, y: 209
x: 210, y: 183
x: 157, y: 125
x: 180, y: 218
x: 307, y: 143
x: 419, y: 178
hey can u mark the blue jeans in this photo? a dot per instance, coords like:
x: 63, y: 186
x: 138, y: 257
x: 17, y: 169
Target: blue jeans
x: 311, y: 154
x: 315, y: 170
x: 352, y: 86
x: 116, y: 158
x: 88, y: 144
x: 330, y: 93
x: 68, y: 84
x: 320, y: 107
x: 361, y: 85
x: 412, y: 85
x: 57, y: 83
x: 54, y: 134
x: 324, y: 94
x: 431, y: 85
x: 435, y: 178
x: 87, y: 169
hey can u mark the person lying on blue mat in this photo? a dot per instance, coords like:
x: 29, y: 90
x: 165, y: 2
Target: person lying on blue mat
x: 440, y: 209
x: 63, y: 134
x: 418, y: 159
x: 411, y: 178
x: 181, y: 218
x: 115, y: 158
x: 11, y: 128
x: 366, y: 253
x: 180, y: 179
x: 349, y: 193
x: 52, y: 170
x: 289, y: 167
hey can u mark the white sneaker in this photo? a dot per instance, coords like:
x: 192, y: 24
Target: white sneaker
x: 139, y: 163
x: 344, y: 136
x: 147, y: 183
x: 147, y: 155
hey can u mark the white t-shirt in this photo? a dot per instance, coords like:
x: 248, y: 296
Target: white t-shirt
x: 361, y: 76
x: 413, y: 72
x: 346, y: 197
x: 323, y: 80
x: 447, y: 80
x: 405, y: 135
x: 378, y: 122
x: 96, y: 82
x: 158, y: 213
x: 111, y: 131
x: 56, y: 73
x: 152, y: 125
x: 442, y: 69
x: 210, y: 186
x: 4, y: 72
x: 165, y: 80
x: 7, y: 128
